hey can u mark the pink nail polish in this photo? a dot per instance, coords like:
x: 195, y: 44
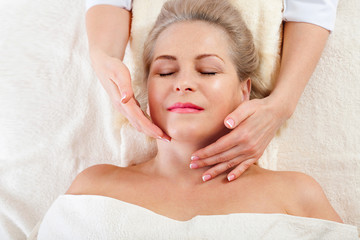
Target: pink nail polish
x: 123, y: 97
x: 230, y: 123
x: 194, y: 158
x: 193, y: 166
x: 231, y: 177
x: 164, y: 139
x: 206, y: 177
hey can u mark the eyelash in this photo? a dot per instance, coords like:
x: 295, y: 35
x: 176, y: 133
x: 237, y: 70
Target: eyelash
x: 204, y: 73
x: 165, y: 74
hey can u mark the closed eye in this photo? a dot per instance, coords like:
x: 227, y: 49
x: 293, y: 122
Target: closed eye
x: 208, y: 73
x: 165, y: 74
x: 203, y: 73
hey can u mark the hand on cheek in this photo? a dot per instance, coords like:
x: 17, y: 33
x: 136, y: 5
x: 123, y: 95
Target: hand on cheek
x: 254, y: 124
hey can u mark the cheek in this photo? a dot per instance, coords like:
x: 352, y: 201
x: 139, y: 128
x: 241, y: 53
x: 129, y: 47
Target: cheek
x: 151, y: 93
x: 224, y: 96
x: 154, y: 95
x: 157, y: 93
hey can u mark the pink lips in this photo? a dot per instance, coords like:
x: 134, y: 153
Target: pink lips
x: 185, y: 108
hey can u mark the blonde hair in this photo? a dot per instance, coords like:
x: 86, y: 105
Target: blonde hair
x: 218, y: 13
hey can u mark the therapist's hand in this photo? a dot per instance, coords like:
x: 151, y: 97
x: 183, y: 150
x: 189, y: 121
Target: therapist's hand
x: 116, y: 80
x: 255, y: 123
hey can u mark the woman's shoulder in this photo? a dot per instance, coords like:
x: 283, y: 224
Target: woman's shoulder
x: 294, y: 183
x: 302, y: 195
x: 93, y: 179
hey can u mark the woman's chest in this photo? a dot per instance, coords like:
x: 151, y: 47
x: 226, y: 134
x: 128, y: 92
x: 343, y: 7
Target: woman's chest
x: 184, y: 204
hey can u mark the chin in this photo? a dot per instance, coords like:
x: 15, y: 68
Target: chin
x: 196, y: 132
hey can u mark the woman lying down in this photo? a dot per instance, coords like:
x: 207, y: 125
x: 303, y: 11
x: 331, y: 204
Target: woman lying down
x: 200, y: 64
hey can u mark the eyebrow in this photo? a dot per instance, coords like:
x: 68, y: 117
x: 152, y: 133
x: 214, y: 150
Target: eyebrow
x: 173, y: 58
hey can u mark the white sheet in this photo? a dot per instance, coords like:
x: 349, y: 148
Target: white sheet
x: 96, y: 217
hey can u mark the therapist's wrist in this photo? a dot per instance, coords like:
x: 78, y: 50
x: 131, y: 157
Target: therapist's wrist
x: 283, y: 104
x: 96, y: 52
x: 99, y: 57
x: 96, y: 55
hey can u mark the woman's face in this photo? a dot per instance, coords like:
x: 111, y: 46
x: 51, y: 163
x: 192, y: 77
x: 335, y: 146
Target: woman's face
x: 192, y: 66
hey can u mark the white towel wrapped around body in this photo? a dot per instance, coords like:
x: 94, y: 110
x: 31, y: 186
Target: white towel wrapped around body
x: 97, y: 217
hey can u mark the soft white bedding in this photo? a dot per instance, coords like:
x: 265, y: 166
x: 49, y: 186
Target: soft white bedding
x: 56, y: 120
x: 97, y: 217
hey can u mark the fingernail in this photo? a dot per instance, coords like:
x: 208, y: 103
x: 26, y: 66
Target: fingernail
x: 231, y: 177
x: 193, y: 165
x: 230, y: 123
x: 164, y: 139
x: 206, y: 177
x: 123, y: 97
x: 193, y: 158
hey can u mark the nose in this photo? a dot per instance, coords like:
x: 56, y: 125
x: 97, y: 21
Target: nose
x: 185, y: 83
x: 183, y: 89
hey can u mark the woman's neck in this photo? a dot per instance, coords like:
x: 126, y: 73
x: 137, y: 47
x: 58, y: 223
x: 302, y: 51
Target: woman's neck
x: 173, y: 162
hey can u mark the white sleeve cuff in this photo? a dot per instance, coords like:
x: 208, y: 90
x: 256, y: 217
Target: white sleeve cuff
x: 318, y: 12
x: 126, y: 4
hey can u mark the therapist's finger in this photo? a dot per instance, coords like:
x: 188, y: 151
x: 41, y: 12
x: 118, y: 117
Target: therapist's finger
x: 222, y: 144
x: 241, y: 113
x: 221, y: 168
x: 218, y: 158
x: 113, y: 91
x: 120, y: 75
x: 137, y: 117
x: 236, y: 172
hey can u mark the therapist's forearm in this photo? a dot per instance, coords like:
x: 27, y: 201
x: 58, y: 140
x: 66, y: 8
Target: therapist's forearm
x: 108, y: 30
x: 303, y: 44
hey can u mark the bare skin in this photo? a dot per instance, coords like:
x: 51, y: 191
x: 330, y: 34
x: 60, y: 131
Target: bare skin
x: 256, y: 191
